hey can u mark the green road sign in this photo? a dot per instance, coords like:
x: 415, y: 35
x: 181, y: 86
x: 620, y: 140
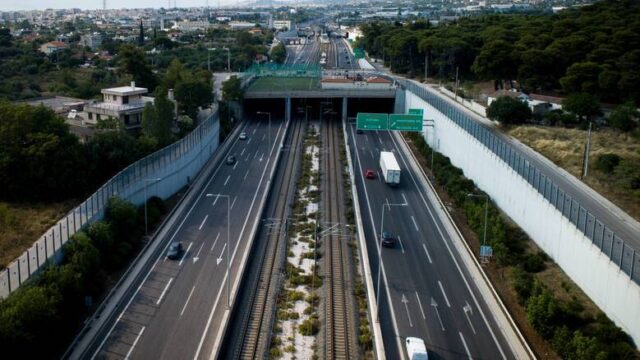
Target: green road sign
x: 372, y: 121
x: 358, y: 53
x: 416, y: 112
x: 405, y: 122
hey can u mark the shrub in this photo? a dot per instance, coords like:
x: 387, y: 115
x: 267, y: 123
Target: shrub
x: 522, y: 284
x: 534, y: 263
x: 607, y: 162
x: 309, y: 326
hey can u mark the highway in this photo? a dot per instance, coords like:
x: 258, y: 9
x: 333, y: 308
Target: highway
x: 177, y: 308
x: 423, y: 277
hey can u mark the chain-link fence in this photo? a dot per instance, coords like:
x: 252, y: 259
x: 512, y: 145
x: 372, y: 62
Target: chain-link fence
x: 621, y: 253
x: 160, y: 174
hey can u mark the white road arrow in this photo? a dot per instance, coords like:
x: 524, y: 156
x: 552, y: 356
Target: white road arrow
x: 435, y: 307
x: 219, y: 259
x: 468, y: 310
x: 406, y: 306
x: 196, y: 258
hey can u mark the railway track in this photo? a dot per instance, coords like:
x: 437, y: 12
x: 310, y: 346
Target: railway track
x: 257, y: 328
x: 339, y: 307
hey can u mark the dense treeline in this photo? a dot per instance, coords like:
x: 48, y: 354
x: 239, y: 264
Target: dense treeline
x: 593, y: 49
x: 40, y: 319
x: 571, y: 332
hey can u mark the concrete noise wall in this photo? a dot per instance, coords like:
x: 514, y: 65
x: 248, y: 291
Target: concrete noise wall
x: 588, y: 266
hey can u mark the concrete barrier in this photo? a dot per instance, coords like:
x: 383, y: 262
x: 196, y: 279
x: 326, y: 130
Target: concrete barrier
x: 555, y: 231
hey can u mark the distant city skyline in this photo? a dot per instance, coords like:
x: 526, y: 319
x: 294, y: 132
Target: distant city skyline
x: 14, y: 5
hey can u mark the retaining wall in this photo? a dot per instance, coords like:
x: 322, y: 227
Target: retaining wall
x: 604, y: 267
x: 175, y: 166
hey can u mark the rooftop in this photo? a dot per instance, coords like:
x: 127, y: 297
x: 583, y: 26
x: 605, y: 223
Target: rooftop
x: 125, y: 90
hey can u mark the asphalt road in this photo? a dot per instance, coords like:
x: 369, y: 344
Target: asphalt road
x: 176, y: 311
x: 423, y: 279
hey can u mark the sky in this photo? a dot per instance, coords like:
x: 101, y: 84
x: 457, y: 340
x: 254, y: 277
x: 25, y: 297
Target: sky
x: 7, y: 5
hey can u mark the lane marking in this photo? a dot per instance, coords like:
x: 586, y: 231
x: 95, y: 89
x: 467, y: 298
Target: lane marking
x: 444, y: 294
x: 427, y: 252
x: 380, y: 140
x: 219, y: 259
x: 249, y: 142
x: 203, y: 221
x: 164, y: 291
x: 226, y: 181
x: 242, y: 152
x: 420, y: 304
x: 185, y: 254
x: 255, y: 155
x: 415, y: 224
x: 371, y: 152
x: 215, y: 242
x: 245, y: 175
x: 186, y: 303
x: 254, y: 131
x: 467, y: 309
x: 434, y: 305
x: 401, y: 246
x: 134, y: 343
x: 234, y: 202
x: 404, y: 198
x: 195, y: 258
x: 263, y: 136
x: 216, y: 200
x: 234, y: 165
x: 466, y: 348
x: 379, y: 176
x: 406, y: 306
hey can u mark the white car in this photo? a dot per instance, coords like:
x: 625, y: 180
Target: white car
x: 416, y: 349
x: 243, y: 135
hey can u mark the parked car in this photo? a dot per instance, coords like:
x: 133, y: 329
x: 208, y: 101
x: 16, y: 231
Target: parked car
x: 175, y: 249
x: 370, y: 174
x: 231, y: 159
x: 243, y: 136
x: 387, y: 239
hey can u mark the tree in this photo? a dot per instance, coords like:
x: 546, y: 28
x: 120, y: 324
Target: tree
x: 157, y: 119
x: 508, y: 110
x: 192, y: 94
x: 5, y: 37
x: 582, y: 105
x: 542, y: 310
x: 496, y: 60
x: 232, y: 89
x: 141, y: 35
x: 279, y: 53
x: 175, y: 74
x: 581, y: 77
x: 133, y: 61
x: 624, y: 117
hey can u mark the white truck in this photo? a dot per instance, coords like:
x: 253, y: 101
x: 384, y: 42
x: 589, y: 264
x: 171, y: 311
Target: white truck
x: 390, y: 168
x: 416, y: 349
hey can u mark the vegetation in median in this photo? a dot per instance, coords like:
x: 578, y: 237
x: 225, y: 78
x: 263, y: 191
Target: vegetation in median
x: 545, y: 298
x: 40, y: 319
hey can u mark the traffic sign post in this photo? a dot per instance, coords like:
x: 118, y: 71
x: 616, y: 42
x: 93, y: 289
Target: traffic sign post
x: 416, y: 112
x: 372, y: 121
x: 405, y: 122
x: 358, y: 53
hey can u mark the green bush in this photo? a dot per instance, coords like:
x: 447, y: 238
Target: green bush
x: 534, y: 263
x: 309, y: 326
x: 607, y: 162
x: 522, y: 283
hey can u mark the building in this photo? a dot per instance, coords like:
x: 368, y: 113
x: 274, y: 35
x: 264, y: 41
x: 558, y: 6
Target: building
x: 124, y: 103
x: 52, y: 46
x: 191, y: 26
x: 93, y: 41
x: 282, y: 24
x: 240, y: 25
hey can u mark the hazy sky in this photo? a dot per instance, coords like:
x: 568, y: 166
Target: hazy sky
x: 97, y: 4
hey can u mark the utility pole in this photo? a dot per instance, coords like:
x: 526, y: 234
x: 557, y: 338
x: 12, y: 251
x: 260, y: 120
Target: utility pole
x: 587, y: 149
x: 456, y: 88
x: 426, y: 66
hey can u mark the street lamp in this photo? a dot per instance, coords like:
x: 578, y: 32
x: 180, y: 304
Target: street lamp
x: 269, y: 128
x: 146, y: 182
x: 431, y: 124
x: 228, y: 58
x: 384, y: 204
x: 228, y: 237
x: 486, y: 210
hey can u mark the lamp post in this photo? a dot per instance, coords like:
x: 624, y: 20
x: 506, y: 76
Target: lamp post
x: 269, y: 128
x: 146, y: 183
x: 385, y: 204
x: 486, y: 211
x: 228, y: 237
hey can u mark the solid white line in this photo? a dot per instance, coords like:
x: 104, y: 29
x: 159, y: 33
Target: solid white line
x: 420, y: 304
x: 215, y: 242
x: 415, y: 223
x: 203, y: 221
x: 185, y: 254
x: 427, y: 252
x: 464, y: 343
x: 186, y: 303
x: 134, y: 343
x: 443, y: 294
x: 164, y: 291
x: 233, y: 202
x: 401, y: 246
x: 446, y: 244
x: 226, y: 181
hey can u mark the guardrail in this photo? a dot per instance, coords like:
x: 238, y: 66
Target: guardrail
x: 159, y: 174
x: 622, y: 254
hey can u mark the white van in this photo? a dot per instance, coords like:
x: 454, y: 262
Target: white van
x: 416, y: 349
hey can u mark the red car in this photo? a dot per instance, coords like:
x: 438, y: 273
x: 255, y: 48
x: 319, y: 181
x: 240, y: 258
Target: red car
x: 370, y: 174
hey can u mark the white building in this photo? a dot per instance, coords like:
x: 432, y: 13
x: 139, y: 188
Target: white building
x: 240, y: 25
x: 94, y: 41
x: 124, y: 103
x: 191, y: 26
x: 282, y: 24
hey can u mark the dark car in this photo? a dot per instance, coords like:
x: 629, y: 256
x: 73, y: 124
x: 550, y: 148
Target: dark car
x: 231, y: 159
x: 387, y: 239
x: 370, y: 174
x: 175, y: 249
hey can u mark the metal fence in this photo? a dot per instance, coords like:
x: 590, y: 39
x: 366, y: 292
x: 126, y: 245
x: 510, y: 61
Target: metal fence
x: 159, y: 174
x: 622, y: 254
x: 284, y: 70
